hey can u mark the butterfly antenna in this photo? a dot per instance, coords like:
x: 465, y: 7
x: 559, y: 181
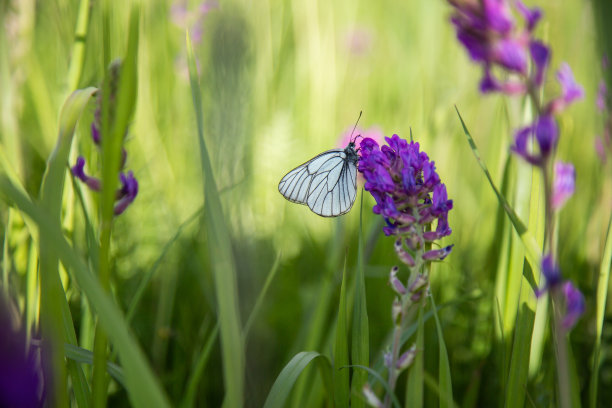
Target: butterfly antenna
x: 355, y: 127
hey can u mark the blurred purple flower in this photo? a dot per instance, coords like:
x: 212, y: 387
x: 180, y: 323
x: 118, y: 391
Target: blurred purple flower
x: 532, y: 16
x: 574, y: 301
x: 564, y: 184
x: 193, y: 21
x: 403, y: 181
x: 21, y: 382
x: 570, y: 90
x: 574, y: 305
x: 602, y: 92
x: 79, y: 172
x: 127, y: 193
x: 546, y: 134
x: 540, y: 54
x: 358, y: 41
x: 396, y: 284
x: 129, y: 186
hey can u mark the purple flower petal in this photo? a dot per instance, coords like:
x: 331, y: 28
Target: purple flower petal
x: 511, y: 53
x: 78, y: 170
x: 127, y: 193
x: 532, y: 16
x: 564, y: 184
x: 552, y: 275
x: 602, y: 92
x: 547, y: 134
x: 571, y: 90
x: 540, y: 54
x: 574, y: 305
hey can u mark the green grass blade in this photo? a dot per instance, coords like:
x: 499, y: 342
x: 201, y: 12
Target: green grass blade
x: 444, y: 373
x: 519, y: 358
x: 260, y: 297
x: 414, y: 385
x: 360, y: 350
x: 55, y: 313
x: 290, y: 373
x: 144, y: 283
x: 77, y: 59
x: 600, y: 310
x: 196, y: 376
x: 341, y: 348
x: 532, y: 250
x: 82, y: 355
x: 142, y: 386
x: 223, y: 267
x: 382, y: 381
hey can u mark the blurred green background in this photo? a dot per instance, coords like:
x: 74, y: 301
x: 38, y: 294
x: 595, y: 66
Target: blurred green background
x: 282, y: 81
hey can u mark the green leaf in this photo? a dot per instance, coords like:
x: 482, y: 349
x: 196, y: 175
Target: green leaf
x: 444, y: 373
x: 261, y: 297
x: 195, y: 377
x: 82, y: 355
x: 532, y: 250
x: 341, y: 358
x: 600, y: 310
x: 360, y: 351
x: 55, y: 312
x: 224, y: 270
x: 519, y: 358
x: 290, y: 373
x: 142, y: 386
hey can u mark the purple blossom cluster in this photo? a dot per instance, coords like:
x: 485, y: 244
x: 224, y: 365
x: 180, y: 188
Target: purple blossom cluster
x: 128, y: 189
x: 409, y: 196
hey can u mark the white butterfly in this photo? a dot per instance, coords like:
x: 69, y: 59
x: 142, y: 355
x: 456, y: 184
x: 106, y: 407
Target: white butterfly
x: 327, y: 184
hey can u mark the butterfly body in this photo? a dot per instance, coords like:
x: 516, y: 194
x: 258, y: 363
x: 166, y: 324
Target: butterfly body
x: 327, y: 183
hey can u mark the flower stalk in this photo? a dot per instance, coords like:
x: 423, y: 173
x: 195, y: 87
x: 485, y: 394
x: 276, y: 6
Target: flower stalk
x: 411, y: 199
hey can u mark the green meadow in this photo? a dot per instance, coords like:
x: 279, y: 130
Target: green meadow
x: 210, y: 288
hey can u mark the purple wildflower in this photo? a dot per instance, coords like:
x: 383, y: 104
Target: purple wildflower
x: 574, y: 305
x: 564, y: 184
x: 408, y: 194
x: 492, y: 38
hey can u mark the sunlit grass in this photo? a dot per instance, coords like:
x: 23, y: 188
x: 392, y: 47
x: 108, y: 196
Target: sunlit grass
x: 279, y: 82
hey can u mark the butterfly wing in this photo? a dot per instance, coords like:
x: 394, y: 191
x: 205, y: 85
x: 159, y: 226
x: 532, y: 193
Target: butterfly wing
x: 327, y: 184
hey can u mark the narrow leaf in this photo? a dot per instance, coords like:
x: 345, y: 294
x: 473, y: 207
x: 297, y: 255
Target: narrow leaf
x: 341, y: 359
x: 444, y: 373
x: 289, y: 375
x: 224, y: 270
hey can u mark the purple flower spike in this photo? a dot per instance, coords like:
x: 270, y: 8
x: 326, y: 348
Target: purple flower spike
x: 407, y: 189
x: 574, y: 305
x: 127, y: 193
x: 79, y: 172
x: 564, y: 184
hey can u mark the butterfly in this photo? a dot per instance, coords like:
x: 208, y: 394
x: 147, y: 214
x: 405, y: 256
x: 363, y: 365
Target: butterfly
x: 327, y: 183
